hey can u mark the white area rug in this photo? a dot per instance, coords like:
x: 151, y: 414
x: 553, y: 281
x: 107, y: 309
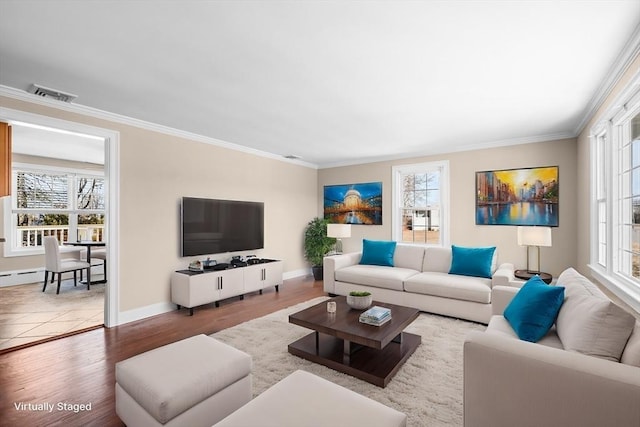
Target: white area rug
x: 428, y: 387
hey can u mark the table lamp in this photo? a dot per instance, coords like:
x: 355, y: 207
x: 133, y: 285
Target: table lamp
x: 534, y: 236
x: 338, y: 231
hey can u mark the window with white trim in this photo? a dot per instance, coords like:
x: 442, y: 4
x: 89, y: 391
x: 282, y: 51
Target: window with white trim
x: 629, y: 196
x: 48, y: 201
x: 420, y: 203
x: 615, y: 197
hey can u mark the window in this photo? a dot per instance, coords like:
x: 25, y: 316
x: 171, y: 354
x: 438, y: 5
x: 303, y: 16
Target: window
x: 55, y: 202
x: 615, y: 213
x: 420, y: 203
x: 601, y: 200
x: 629, y: 197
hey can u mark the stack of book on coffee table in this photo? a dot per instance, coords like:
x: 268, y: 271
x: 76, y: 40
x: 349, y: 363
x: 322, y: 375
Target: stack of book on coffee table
x: 376, y: 316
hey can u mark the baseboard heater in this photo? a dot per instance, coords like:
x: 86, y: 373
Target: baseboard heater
x: 20, y: 277
x: 23, y: 277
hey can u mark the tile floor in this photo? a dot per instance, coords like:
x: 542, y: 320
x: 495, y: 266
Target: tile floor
x: 27, y: 314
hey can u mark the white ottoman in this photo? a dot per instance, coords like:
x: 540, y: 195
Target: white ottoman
x: 194, y: 382
x: 304, y: 399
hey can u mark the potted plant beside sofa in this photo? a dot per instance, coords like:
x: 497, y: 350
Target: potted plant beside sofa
x: 317, y: 244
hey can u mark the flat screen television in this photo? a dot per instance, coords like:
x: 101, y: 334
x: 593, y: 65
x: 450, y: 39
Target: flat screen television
x: 210, y: 226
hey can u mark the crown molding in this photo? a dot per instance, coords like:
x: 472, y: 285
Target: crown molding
x: 518, y: 141
x: 448, y: 150
x: 21, y: 95
x: 627, y: 55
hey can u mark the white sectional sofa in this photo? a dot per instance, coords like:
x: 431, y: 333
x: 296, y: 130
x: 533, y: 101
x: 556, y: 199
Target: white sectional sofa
x: 584, y: 372
x: 419, y: 278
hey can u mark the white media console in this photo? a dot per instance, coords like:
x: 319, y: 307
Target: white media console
x: 191, y: 288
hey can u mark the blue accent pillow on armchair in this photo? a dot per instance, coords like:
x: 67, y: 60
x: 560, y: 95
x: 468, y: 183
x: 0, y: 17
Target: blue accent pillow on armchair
x: 471, y: 261
x: 534, y: 308
x: 377, y: 252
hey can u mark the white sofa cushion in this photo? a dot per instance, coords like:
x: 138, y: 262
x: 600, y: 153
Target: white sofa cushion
x: 408, y: 256
x: 589, y: 322
x: 499, y: 325
x: 631, y: 353
x: 570, y: 279
x: 375, y: 275
x: 447, y: 285
x: 595, y: 326
x: 437, y: 259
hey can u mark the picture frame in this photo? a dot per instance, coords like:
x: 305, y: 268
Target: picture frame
x: 359, y: 203
x: 527, y: 196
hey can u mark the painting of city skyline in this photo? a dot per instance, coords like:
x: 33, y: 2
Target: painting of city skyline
x: 354, y: 203
x: 518, y: 197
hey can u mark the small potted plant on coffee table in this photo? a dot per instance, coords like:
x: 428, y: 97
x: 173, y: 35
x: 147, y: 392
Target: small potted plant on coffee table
x: 359, y: 299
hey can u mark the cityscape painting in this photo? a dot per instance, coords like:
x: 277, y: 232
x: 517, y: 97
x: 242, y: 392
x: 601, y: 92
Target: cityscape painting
x: 354, y: 203
x: 518, y: 197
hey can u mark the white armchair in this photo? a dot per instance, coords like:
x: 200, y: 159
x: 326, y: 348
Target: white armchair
x: 100, y: 254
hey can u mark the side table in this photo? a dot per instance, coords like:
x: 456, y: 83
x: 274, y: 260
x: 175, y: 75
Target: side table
x: 526, y: 275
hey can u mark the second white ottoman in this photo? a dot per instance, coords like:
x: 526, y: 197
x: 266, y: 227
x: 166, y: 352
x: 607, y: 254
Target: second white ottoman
x: 304, y: 399
x: 193, y: 382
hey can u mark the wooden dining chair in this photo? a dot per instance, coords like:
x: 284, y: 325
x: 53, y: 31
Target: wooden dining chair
x: 54, y: 263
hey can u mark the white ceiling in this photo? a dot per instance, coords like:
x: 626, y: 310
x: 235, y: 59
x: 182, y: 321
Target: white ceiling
x: 57, y: 144
x: 334, y: 82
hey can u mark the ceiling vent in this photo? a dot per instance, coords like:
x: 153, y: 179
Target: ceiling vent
x: 46, y: 92
x: 292, y: 157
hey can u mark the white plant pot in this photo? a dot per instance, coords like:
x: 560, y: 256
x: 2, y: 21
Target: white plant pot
x: 359, y: 303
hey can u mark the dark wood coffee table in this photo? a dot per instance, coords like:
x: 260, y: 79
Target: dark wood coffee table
x: 371, y: 353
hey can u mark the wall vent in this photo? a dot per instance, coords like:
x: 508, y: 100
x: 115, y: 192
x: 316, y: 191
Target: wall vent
x: 46, y: 92
x: 291, y: 157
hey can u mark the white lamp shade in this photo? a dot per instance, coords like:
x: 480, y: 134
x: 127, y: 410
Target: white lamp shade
x: 339, y: 230
x: 534, y: 236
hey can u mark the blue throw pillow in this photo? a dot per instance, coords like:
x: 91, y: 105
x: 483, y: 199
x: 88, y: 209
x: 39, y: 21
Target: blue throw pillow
x: 377, y: 252
x: 534, y: 309
x: 471, y: 261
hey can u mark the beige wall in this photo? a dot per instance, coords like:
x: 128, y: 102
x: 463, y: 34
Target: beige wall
x: 584, y: 166
x: 156, y: 170
x: 464, y: 231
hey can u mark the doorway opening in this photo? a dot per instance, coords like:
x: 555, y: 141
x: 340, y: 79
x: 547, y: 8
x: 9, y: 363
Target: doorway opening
x: 62, y: 186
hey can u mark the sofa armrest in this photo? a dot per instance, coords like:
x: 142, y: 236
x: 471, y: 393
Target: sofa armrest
x: 335, y: 262
x: 508, y: 382
x: 503, y: 275
x: 501, y: 296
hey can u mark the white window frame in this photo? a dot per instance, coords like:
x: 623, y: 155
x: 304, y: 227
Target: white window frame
x: 10, y: 225
x: 601, y: 182
x: 611, y: 274
x: 396, y: 212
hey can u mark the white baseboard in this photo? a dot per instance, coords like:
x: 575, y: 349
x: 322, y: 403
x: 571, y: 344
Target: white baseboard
x: 296, y: 273
x: 165, y: 307
x: 144, y: 312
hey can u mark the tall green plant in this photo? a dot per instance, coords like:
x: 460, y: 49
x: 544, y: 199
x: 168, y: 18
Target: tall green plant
x: 316, y: 242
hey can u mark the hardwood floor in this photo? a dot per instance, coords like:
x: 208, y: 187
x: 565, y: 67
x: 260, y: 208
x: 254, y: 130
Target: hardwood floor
x: 81, y: 369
